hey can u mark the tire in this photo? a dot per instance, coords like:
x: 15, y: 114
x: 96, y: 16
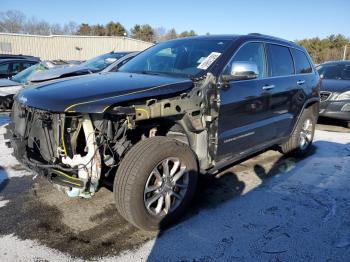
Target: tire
x: 135, y: 173
x: 348, y: 125
x: 294, y: 144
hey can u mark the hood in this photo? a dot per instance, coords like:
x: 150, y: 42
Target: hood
x: 95, y: 92
x: 8, y: 82
x: 337, y: 86
x: 60, y: 72
x: 9, y: 87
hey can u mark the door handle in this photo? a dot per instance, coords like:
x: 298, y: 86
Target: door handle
x: 268, y: 87
x: 300, y: 82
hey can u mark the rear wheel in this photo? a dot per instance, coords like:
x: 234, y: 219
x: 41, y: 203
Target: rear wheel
x: 300, y: 142
x: 155, y: 182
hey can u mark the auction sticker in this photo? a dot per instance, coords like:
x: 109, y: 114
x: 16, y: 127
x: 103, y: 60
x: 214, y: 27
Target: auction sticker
x: 208, y: 60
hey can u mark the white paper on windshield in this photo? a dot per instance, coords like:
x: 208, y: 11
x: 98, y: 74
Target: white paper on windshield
x: 208, y: 60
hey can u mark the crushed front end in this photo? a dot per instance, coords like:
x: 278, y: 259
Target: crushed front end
x: 66, y: 148
x: 78, y: 150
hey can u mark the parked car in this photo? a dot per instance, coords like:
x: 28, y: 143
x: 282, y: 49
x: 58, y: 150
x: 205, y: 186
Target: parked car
x: 117, y: 64
x: 93, y: 65
x: 9, y: 87
x: 10, y: 67
x: 74, y: 62
x: 181, y: 108
x: 9, y: 56
x: 335, y: 90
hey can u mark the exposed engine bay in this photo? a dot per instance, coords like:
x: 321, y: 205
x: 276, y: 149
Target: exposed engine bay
x: 77, y: 151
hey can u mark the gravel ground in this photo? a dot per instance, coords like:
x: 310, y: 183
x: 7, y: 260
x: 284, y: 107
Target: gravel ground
x: 267, y: 208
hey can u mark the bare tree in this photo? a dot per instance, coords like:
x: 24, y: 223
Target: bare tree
x: 159, y: 34
x: 56, y: 29
x: 12, y: 21
x: 36, y: 27
x: 70, y: 28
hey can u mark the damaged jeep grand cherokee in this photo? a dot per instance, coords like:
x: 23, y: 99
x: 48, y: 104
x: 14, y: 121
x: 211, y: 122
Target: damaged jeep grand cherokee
x: 178, y: 109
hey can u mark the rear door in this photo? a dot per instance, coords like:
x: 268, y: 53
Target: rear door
x: 304, y: 78
x: 282, y: 88
x: 244, y: 107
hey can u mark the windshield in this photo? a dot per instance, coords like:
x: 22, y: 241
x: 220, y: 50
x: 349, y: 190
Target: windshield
x: 101, y: 62
x: 184, y: 57
x: 22, y: 77
x: 334, y: 71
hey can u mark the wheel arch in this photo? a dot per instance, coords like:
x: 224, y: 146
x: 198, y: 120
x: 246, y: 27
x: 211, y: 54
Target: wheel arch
x: 313, y: 104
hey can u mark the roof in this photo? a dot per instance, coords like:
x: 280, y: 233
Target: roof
x: 252, y: 36
x: 20, y: 56
x: 337, y: 62
x: 19, y: 60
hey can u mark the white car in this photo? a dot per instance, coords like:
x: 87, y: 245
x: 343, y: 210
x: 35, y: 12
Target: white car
x: 9, y: 87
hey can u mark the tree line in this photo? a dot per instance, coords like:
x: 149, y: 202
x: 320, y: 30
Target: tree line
x: 13, y: 21
x: 328, y: 48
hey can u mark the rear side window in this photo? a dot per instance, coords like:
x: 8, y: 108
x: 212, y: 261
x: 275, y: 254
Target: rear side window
x: 302, y: 64
x: 280, y: 61
x: 4, y: 69
x: 27, y: 64
x: 16, y: 67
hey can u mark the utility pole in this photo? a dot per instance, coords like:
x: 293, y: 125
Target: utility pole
x: 344, y: 54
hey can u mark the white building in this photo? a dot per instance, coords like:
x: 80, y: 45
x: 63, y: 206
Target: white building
x: 67, y: 47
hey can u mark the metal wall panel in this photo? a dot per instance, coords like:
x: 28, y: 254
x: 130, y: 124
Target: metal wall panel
x: 67, y: 47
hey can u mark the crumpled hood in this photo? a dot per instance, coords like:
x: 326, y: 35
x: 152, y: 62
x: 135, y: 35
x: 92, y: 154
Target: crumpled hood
x: 60, y: 72
x: 338, y: 86
x: 94, y: 93
x: 8, y: 82
x: 9, y: 87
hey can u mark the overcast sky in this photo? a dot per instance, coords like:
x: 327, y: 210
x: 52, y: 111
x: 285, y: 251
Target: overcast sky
x: 287, y: 19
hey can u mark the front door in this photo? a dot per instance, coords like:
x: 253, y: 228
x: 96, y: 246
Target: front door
x: 245, y: 115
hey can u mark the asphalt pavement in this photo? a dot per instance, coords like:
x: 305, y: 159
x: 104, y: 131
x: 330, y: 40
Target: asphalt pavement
x: 269, y: 208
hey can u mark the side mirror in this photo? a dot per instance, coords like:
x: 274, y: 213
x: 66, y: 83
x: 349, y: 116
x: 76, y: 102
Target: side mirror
x: 242, y: 70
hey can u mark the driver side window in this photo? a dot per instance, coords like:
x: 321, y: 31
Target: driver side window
x: 250, y: 52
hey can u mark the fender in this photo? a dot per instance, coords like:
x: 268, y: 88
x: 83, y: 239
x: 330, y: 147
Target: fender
x: 309, y: 102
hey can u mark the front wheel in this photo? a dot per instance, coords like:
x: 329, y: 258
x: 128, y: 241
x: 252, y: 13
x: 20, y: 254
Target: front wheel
x: 155, y: 182
x: 300, y: 142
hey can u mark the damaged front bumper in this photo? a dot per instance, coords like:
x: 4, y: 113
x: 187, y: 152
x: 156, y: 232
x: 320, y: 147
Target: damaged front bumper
x: 59, y: 146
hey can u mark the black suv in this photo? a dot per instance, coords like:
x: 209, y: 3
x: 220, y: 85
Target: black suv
x: 180, y: 108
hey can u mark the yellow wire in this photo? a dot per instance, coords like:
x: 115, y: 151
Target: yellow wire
x: 63, y: 143
x: 63, y: 174
x: 71, y: 183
